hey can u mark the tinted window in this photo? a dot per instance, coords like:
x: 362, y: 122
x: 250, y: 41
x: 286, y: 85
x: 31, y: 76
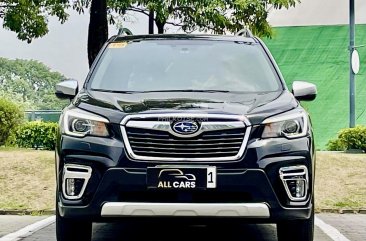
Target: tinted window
x: 158, y: 65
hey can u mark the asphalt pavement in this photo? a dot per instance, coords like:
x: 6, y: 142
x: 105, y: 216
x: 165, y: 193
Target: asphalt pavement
x: 340, y: 227
x: 12, y: 223
x: 119, y: 232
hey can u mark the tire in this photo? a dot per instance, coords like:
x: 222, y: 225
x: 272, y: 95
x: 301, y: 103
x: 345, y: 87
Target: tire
x: 68, y: 229
x: 296, y: 230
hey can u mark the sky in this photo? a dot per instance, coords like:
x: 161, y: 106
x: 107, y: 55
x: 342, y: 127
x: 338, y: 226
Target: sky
x: 64, y: 49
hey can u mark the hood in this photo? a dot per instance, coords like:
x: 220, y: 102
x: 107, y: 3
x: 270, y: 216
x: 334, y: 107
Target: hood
x: 256, y: 106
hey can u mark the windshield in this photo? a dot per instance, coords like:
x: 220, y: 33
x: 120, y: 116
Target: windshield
x: 184, y: 65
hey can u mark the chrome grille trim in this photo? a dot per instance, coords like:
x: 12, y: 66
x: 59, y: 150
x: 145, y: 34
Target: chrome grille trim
x: 165, y: 126
x: 185, y: 115
x: 229, y: 122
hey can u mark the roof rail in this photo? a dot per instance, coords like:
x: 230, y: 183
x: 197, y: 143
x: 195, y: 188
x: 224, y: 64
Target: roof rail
x: 124, y: 31
x: 245, y: 32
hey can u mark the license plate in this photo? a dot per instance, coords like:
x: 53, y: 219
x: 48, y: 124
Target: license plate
x: 181, y: 177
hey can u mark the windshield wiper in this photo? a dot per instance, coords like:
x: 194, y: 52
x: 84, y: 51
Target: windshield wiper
x: 115, y: 91
x: 155, y: 91
x: 204, y: 91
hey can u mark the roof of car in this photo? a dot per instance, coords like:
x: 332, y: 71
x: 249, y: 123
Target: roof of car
x: 119, y: 38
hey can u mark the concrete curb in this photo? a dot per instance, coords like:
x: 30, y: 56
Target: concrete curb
x: 53, y: 212
x: 341, y: 211
x: 28, y: 212
x: 28, y: 230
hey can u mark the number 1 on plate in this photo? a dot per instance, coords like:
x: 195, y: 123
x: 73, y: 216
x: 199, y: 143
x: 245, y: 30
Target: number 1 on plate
x: 211, y: 177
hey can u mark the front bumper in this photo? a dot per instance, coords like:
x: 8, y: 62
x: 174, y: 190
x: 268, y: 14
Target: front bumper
x: 245, y: 193
x: 128, y: 209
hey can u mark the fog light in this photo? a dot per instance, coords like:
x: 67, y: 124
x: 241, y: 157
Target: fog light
x: 70, y: 187
x: 74, y: 186
x: 296, y: 186
x: 295, y: 180
x: 75, y: 180
x: 300, y: 188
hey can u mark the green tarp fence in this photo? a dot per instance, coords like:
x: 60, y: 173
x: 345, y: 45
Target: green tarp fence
x: 43, y: 115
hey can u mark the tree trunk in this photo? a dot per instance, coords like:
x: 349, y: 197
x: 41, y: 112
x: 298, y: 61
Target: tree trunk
x: 160, y: 24
x: 98, y: 28
x: 151, y: 22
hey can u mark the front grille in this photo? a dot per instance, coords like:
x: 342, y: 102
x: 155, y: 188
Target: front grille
x: 212, y: 144
x: 155, y: 137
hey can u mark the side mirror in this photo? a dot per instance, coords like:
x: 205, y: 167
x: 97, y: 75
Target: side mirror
x: 304, y: 91
x: 67, y: 89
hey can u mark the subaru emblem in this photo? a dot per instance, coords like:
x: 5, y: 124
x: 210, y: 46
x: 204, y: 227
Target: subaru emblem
x: 185, y: 127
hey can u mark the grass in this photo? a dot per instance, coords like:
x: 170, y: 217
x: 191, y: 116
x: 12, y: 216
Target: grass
x: 340, y: 180
x: 27, y: 180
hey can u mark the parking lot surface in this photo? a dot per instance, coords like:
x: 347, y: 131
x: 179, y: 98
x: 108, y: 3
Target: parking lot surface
x: 348, y: 227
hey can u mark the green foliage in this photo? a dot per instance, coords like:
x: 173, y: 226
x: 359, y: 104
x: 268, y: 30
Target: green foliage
x: 10, y: 117
x: 30, y: 83
x: 11, y: 141
x: 37, y: 134
x: 354, y: 138
x: 336, y: 145
x: 219, y: 16
x: 348, y: 139
x: 29, y: 18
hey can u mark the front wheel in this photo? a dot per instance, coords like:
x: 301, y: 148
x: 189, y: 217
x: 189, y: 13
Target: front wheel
x: 68, y: 229
x: 296, y: 230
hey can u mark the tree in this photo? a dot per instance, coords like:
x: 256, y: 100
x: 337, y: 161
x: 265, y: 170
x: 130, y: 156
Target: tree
x: 218, y: 16
x: 98, y: 28
x: 30, y: 83
x: 10, y: 118
x: 100, y: 11
x: 29, y: 18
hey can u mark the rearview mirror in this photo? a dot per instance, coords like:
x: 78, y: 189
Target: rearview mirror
x: 304, y: 91
x: 67, y: 89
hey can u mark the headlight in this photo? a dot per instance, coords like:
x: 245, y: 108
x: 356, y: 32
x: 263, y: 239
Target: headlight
x: 290, y: 125
x: 80, y: 123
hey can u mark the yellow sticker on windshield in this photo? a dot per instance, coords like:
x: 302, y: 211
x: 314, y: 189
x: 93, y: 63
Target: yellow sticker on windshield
x: 117, y: 45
